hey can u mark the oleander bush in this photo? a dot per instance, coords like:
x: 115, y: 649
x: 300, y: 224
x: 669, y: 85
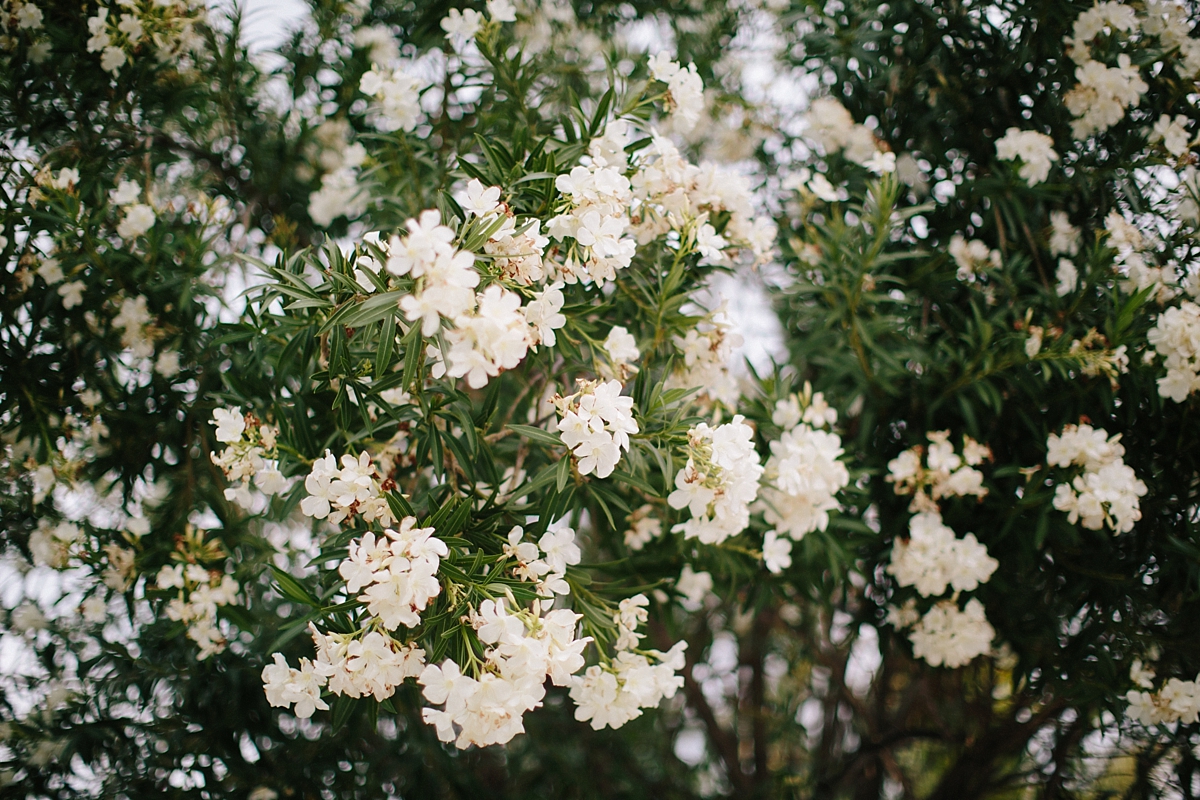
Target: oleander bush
x: 590, y: 399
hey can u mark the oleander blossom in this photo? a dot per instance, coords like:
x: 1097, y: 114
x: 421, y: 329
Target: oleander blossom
x: 972, y: 257
x: 339, y: 492
x: 707, y: 351
x: 685, y: 91
x: 1034, y: 150
x: 1176, y: 338
x: 524, y: 648
x: 397, y: 96
x: 612, y: 694
x: 942, y: 473
x: 395, y: 574
x: 595, y: 423
x: 494, y: 337
x: 250, y: 457
x: 1175, y: 701
x: 803, y: 474
x: 933, y: 558
x: 952, y: 637
x: 595, y: 218
x: 831, y: 126
x: 719, y: 481
x: 445, y: 277
x: 198, y: 594
x: 1106, y: 492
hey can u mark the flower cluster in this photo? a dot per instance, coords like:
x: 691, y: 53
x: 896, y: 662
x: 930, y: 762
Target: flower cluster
x: 1103, y: 93
x: 546, y: 562
x: 494, y: 336
x: 358, y: 664
x: 199, y: 593
x: 831, y: 126
x: 340, y: 193
x: 445, y: 277
x: 51, y: 545
x: 609, y: 695
x: 1131, y: 260
x: 398, y: 98
x: 338, y: 493
x: 1034, y: 150
x: 518, y: 250
x: 525, y: 648
x: 707, y: 351
x: 719, y: 481
x: 685, y: 91
x: 803, y: 474
x: 933, y: 558
x: 595, y: 424
x: 1107, y: 491
x: 972, y: 257
x: 596, y: 218
x: 1176, y: 338
x: 138, y: 217
x: 1176, y: 701
x: 672, y: 194
x: 395, y: 572
x: 169, y: 27
x: 20, y: 19
x: 250, y: 455
x: 944, y: 473
x: 950, y: 636
x: 644, y: 527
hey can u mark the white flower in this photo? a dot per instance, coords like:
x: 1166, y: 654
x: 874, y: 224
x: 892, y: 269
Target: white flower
x: 1107, y: 492
x: 1033, y: 345
x: 685, y: 91
x: 558, y: 545
x: 946, y: 635
x: 643, y: 528
x: 1067, y: 277
x: 621, y: 346
x: 972, y: 257
x: 167, y: 364
x: 777, y: 552
x: 881, y: 163
x: 112, y: 59
x: 462, y: 25
x: 501, y: 11
x: 1172, y: 133
x: 126, y: 193
x: 131, y: 26
x: 480, y: 201
x: 29, y: 17
x: 830, y: 124
x: 1035, y: 151
x: 399, y: 96
x: 1064, y: 237
x: 694, y: 586
x: 138, y: 219
x: 1176, y: 338
x: 933, y: 558
x: 823, y: 189
x: 544, y: 314
x: 719, y: 481
x: 595, y: 424
x: 803, y: 478
x: 50, y: 271
x: 230, y: 424
x: 71, y: 293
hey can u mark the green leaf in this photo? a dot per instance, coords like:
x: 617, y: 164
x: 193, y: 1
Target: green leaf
x: 292, y: 589
x: 537, y: 435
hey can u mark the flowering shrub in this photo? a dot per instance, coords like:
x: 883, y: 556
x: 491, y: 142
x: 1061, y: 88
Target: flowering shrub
x: 385, y: 414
